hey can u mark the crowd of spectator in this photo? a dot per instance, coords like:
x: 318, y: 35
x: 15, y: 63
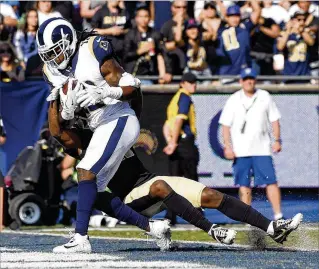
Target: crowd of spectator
x: 168, y: 38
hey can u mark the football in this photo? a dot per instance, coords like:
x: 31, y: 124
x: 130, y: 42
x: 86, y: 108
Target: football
x: 70, y: 84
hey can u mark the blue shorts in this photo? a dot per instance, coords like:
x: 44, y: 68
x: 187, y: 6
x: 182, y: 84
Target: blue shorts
x: 261, y: 167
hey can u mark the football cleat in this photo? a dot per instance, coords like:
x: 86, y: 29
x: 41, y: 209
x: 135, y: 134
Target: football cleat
x: 77, y: 244
x: 282, y: 227
x: 222, y: 235
x: 160, y: 230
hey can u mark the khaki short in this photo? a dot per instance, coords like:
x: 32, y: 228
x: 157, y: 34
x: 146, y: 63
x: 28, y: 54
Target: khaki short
x: 185, y: 187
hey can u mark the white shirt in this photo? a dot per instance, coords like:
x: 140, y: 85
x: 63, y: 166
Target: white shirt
x: 43, y: 16
x: 7, y: 11
x: 257, y: 111
x: 275, y: 12
x: 313, y: 9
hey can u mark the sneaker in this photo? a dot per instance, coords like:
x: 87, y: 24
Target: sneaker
x: 282, y: 227
x: 161, y: 231
x: 222, y: 235
x: 77, y: 244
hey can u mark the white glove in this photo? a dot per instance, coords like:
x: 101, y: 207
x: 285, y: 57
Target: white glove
x: 54, y: 94
x: 91, y: 95
x: 68, y: 101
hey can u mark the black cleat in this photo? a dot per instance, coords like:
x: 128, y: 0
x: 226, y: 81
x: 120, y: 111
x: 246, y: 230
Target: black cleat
x: 282, y: 227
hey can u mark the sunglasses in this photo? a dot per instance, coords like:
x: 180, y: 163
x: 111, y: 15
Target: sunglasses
x: 179, y: 7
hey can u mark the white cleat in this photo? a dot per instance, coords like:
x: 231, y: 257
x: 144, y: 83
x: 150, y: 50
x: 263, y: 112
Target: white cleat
x: 160, y: 230
x: 283, y: 227
x: 77, y: 244
x: 222, y: 235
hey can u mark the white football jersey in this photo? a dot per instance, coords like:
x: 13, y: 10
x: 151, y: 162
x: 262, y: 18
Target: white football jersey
x: 85, y: 67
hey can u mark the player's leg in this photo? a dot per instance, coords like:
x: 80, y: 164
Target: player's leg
x: 238, y: 210
x: 123, y: 138
x: 175, y: 170
x: 106, y: 149
x: 265, y: 175
x: 274, y: 196
x: 181, y: 196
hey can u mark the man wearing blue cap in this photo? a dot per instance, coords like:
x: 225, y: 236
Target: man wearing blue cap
x: 234, y: 40
x: 245, y: 120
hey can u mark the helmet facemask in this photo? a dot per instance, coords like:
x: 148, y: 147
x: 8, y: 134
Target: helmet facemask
x: 53, y: 56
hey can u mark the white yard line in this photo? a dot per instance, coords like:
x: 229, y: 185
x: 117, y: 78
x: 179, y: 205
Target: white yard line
x: 234, y: 246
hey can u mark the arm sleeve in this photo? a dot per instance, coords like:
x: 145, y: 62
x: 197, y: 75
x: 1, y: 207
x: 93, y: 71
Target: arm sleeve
x: 184, y: 103
x: 226, y: 118
x: 273, y: 112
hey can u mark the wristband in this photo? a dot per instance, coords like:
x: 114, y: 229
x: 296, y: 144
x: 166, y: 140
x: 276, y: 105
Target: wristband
x: 115, y: 92
x: 278, y: 140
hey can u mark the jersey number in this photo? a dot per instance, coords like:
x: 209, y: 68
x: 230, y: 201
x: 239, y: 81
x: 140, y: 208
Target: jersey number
x: 297, y: 52
x: 230, y: 39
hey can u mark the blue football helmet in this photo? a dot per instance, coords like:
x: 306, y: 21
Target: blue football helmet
x: 56, y: 36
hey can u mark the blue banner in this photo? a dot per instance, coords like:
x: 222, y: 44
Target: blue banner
x: 23, y: 107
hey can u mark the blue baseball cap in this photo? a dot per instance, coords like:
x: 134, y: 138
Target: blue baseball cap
x: 248, y: 73
x: 233, y: 10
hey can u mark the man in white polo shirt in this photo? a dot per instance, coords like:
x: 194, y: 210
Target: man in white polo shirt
x: 245, y: 120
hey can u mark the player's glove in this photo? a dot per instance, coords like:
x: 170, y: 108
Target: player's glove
x: 68, y: 100
x: 91, y: 95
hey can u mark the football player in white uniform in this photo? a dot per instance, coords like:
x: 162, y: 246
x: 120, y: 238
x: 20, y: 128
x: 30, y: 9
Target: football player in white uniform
x: 101, y: 88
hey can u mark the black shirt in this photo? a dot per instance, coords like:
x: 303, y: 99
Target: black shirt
x: 313, y: 50
x: 103, y: 19
x: 261, y: 42
x: 168, y: 29
x: 145, y: 64
x: 130, y: 175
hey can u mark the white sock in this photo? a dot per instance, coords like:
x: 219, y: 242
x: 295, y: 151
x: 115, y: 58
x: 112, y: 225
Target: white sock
x: 270, y: 229
x: 278, y: 216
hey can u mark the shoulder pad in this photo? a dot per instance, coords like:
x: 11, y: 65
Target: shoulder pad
x: 101, y: 48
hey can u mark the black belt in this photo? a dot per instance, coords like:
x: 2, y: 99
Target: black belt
x: 95, y: 107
